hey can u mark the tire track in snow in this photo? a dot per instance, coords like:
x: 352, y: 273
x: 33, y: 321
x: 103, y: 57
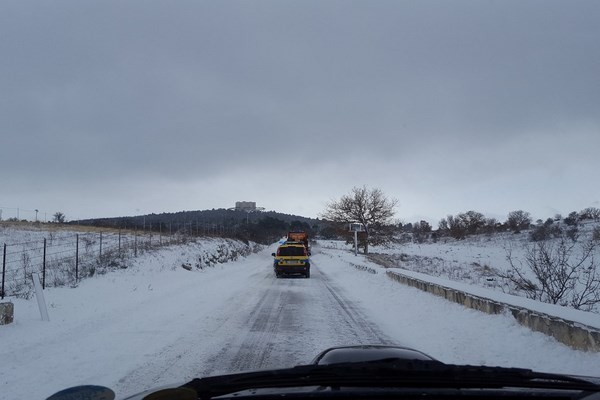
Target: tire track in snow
x: 259, y: 342
x: 364, y: 331
x: 187, y: 356
x: 293, y: 321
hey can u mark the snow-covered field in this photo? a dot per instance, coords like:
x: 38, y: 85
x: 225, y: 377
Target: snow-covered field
x: 156, y: 323
x: 476, y: 260
x: 51, y: 251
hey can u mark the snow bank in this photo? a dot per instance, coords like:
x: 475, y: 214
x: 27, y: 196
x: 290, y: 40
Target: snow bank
x: 111, y: 324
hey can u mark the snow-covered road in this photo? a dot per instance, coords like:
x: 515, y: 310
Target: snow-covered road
x: 261, y: 322
x: 157, y: 323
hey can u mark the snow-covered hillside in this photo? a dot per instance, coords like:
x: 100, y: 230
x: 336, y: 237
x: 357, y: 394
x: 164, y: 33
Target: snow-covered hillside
x: 479, y: 260
x: 64, y: 255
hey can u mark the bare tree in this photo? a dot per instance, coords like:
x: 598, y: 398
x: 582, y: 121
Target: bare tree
x: 572, y: 219
x: 463, y: 224
x: 473, y: 221
x: 421, y: 231
x: 443, y: 226
x: 590, y: 213
x: 560, y: 272
x: 370, y: 207
x: 59, y: 217
x: 490, y: 226
x: 518, y: 220
x: 456, y: 227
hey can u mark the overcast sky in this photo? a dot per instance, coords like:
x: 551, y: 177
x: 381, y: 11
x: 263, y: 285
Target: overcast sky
x: 113, y: 108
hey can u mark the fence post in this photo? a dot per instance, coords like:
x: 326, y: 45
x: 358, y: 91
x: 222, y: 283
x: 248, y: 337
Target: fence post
x: 77, y: 258
x: 135, y: 244
x: 119, y: 241
x: 100, y: 247
x: 3, y: 270
x: 44, y: 267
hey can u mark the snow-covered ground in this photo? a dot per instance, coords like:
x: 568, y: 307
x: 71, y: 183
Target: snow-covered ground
x: 476, y: 260
x: 449, y: 331
x: 97, y: 251
x: 156, y: 323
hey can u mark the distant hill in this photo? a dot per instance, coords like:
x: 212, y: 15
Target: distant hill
x: 200, y: 219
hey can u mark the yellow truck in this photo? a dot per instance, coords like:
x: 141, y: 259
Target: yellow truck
x: 291, y: 259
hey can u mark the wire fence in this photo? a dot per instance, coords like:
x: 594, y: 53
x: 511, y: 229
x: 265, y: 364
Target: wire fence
x: 62, y: 260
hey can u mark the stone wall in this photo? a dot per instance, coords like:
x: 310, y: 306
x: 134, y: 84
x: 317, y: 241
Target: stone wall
x: 571, y: 333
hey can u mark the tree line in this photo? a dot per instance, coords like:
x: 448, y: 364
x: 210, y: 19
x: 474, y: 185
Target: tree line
x: 557, y: 268
x: 374, y: 211
x: 474, y: 223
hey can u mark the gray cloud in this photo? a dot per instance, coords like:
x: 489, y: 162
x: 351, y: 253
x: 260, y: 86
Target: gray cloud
x: 473, y: 104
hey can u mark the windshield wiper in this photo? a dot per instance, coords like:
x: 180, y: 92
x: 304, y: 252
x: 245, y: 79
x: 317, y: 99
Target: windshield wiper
x: 391, y: 373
